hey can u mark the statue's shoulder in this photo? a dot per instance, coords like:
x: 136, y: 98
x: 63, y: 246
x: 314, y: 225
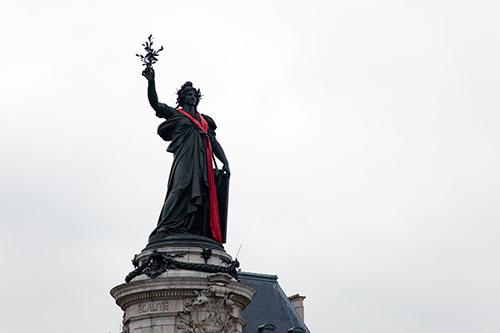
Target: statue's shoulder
x: 210, y: 122
x: 165, y: 111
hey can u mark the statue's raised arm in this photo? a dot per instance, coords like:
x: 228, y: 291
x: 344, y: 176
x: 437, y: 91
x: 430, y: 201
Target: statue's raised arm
x: 150, y: 58
x: 162, y: 109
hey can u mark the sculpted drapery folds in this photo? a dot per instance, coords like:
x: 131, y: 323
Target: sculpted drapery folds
x: 191, y: 202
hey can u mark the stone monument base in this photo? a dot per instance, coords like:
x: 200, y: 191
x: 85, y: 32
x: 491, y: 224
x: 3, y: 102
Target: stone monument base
x: 174, y: 290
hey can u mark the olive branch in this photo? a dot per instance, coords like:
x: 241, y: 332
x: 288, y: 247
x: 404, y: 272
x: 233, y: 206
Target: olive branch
x: 151, y: 55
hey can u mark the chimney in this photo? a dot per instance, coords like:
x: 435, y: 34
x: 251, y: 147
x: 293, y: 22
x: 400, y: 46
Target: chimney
x: 298, y: 304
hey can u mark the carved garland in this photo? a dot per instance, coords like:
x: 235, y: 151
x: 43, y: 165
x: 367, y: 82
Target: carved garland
x: 157, y: 263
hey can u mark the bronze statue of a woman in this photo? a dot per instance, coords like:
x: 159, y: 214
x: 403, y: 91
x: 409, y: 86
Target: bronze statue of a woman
x: 191, y: 205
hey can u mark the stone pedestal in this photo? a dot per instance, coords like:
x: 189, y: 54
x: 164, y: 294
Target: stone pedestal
x: 182, y: 300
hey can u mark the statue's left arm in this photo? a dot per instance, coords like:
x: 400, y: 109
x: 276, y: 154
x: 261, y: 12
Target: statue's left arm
x: 219, y: 153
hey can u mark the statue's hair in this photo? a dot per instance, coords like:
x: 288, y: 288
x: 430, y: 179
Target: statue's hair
x: 181, y: 93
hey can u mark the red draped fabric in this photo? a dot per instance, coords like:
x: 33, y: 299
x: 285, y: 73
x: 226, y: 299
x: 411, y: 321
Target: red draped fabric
x: 212, y: 194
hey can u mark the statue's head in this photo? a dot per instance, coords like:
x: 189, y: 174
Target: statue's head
x: 188, y: 95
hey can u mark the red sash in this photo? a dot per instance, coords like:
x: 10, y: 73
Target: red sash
x: 212, y: 194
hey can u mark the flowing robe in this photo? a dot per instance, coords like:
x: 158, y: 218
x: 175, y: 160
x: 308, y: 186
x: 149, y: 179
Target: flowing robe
x: 185, y: 209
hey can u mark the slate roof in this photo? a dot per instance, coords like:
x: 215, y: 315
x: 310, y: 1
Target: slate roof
x: 270, y: 310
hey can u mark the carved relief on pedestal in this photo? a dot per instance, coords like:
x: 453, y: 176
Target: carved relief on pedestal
x: 211, y: 311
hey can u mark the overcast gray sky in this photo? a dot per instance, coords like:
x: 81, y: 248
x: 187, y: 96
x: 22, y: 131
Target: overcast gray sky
x: 363, y: 138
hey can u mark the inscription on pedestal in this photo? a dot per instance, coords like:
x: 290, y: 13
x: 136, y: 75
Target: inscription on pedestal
x: 152, y: 307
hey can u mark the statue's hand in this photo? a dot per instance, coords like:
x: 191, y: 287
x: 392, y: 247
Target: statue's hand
x: 149, y: 73
x: 226, y: 169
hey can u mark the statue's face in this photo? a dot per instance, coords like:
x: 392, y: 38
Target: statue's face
x: 191, y: 98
